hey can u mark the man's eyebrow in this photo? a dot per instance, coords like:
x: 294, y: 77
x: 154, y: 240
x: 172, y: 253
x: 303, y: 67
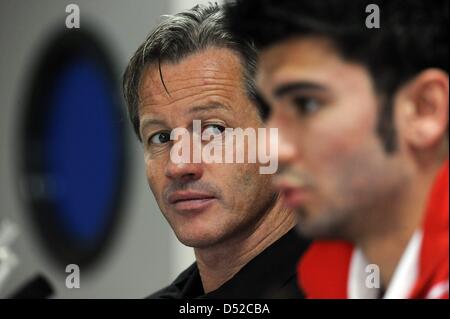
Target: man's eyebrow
x: 287, y: 88
x: 205, y: 108
x: 196, y: 109
x: 149, y: 121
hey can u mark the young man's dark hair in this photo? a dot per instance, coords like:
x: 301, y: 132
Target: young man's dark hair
x: 412, y: 36
x: 359, y: 93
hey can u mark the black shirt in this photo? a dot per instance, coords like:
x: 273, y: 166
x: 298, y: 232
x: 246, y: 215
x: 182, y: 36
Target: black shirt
x: 271, y: 274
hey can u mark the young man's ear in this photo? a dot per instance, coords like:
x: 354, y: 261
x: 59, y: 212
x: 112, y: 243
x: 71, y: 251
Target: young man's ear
x: 422, y: 109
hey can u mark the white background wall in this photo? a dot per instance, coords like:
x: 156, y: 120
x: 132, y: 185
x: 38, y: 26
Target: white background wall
x: 145, y: 254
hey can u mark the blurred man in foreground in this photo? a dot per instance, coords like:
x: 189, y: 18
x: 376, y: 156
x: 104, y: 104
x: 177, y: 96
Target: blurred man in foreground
x: 363, y: 121
x: 191, y: 69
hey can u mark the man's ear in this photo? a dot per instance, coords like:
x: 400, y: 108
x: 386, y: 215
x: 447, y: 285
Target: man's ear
x: 421, y: 109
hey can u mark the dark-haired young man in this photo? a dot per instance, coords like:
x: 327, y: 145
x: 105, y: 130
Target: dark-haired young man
x: 362, y: 115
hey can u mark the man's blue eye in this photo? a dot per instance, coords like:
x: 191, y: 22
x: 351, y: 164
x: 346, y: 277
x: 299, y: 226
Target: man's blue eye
x: 213, y: 129
x: 159, y: 138
x: 306, y: 105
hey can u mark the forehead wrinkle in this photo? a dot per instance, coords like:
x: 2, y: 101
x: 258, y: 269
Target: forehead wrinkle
x: 212, y: 81
x: 201, y: 90
x: 208, y: 107
x: 211, y: 97
x: 211, y: 71
x: 192, y: 82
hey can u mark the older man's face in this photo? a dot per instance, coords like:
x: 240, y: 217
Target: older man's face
x: 204, y: 203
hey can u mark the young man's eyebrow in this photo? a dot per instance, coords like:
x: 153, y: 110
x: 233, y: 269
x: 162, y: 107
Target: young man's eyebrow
x: 287, y: 88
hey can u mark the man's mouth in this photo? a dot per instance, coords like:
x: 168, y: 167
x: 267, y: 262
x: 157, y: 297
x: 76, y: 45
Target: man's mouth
x: 294, y: 194
x: 191, y: 200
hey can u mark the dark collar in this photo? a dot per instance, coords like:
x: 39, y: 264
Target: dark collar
x: 271, y: 274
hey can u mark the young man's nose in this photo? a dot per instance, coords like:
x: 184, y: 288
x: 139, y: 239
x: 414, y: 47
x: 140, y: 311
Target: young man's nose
x: 286, y: 148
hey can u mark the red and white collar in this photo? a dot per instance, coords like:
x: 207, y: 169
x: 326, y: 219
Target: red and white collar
x: 403, y: 279
x: 335, y: 269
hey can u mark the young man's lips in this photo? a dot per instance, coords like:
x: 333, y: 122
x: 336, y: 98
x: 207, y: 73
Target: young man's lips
x: 293, y: 195
x: 294, y: 198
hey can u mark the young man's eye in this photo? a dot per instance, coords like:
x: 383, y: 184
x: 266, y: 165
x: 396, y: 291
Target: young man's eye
x: 213, y: 129
x: 263, y: 107
x: 306, y: 105
x: 159, y: 138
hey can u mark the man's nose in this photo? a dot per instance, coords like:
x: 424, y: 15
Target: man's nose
x: 184, y: 172
x: 286, y: 147
x: 187, y: 168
